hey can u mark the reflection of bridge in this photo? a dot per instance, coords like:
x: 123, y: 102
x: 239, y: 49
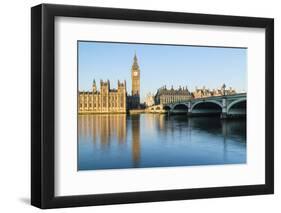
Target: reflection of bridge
x: 226, y: 106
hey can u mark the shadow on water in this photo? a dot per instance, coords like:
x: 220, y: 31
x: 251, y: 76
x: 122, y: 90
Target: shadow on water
x: 212, y: 125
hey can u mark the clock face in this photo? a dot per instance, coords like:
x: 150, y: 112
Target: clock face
x: 135, y: 73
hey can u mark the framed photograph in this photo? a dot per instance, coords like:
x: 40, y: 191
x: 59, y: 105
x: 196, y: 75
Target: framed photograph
x: 139, y: 106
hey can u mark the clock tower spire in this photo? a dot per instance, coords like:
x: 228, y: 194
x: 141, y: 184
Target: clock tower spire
x: 135, y: 77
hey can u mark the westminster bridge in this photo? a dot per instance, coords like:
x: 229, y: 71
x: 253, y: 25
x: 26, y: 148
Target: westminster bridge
x: 225, y: 106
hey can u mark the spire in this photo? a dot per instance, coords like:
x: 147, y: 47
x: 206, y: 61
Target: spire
x: 135, y: 63
x: 94, y: 86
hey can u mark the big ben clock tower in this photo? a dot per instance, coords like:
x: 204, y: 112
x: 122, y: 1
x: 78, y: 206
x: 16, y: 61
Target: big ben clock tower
x: 136, y: 78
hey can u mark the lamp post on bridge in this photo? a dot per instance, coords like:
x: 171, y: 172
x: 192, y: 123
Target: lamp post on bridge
x: 224, y: 106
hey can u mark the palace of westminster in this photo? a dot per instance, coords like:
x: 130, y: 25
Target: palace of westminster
x: 107, y: 100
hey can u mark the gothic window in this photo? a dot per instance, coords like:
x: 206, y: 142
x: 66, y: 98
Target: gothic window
x: 104, y: 102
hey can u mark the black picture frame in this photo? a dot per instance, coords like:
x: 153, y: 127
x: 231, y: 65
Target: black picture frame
x: 43, y: 102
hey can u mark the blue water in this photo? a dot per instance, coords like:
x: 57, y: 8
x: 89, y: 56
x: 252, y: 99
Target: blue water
x: 156, y: 140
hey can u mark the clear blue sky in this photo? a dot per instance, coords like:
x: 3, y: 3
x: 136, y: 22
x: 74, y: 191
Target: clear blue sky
x: 160, y: 65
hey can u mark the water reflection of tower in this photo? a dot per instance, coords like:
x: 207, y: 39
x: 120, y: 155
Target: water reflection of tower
x: 111, y: 126
x: 136, y: 139
x: 121, y: 128
x: 105, y: 131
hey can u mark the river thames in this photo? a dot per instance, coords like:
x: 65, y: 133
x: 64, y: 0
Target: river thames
x: 116, y: 141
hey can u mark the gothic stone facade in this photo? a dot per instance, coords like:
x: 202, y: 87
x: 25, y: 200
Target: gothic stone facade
x: 203, y: 93
x: 166, y: 96
x: 108, y: 100
x: 104, y: 101
x: 149, y: 100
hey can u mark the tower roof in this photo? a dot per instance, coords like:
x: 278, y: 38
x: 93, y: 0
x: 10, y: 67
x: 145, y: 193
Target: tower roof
x: 135, y: 65
x: 172, y: 91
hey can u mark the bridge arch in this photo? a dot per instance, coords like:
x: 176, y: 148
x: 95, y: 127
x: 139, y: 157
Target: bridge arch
x: 166, y: 107
x: 209, y: 107
x: 180, y: 106
x: 237, y: 106
x: 204, y: 102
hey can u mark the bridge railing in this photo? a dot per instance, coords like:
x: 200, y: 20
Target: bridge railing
x: 206, y: 98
